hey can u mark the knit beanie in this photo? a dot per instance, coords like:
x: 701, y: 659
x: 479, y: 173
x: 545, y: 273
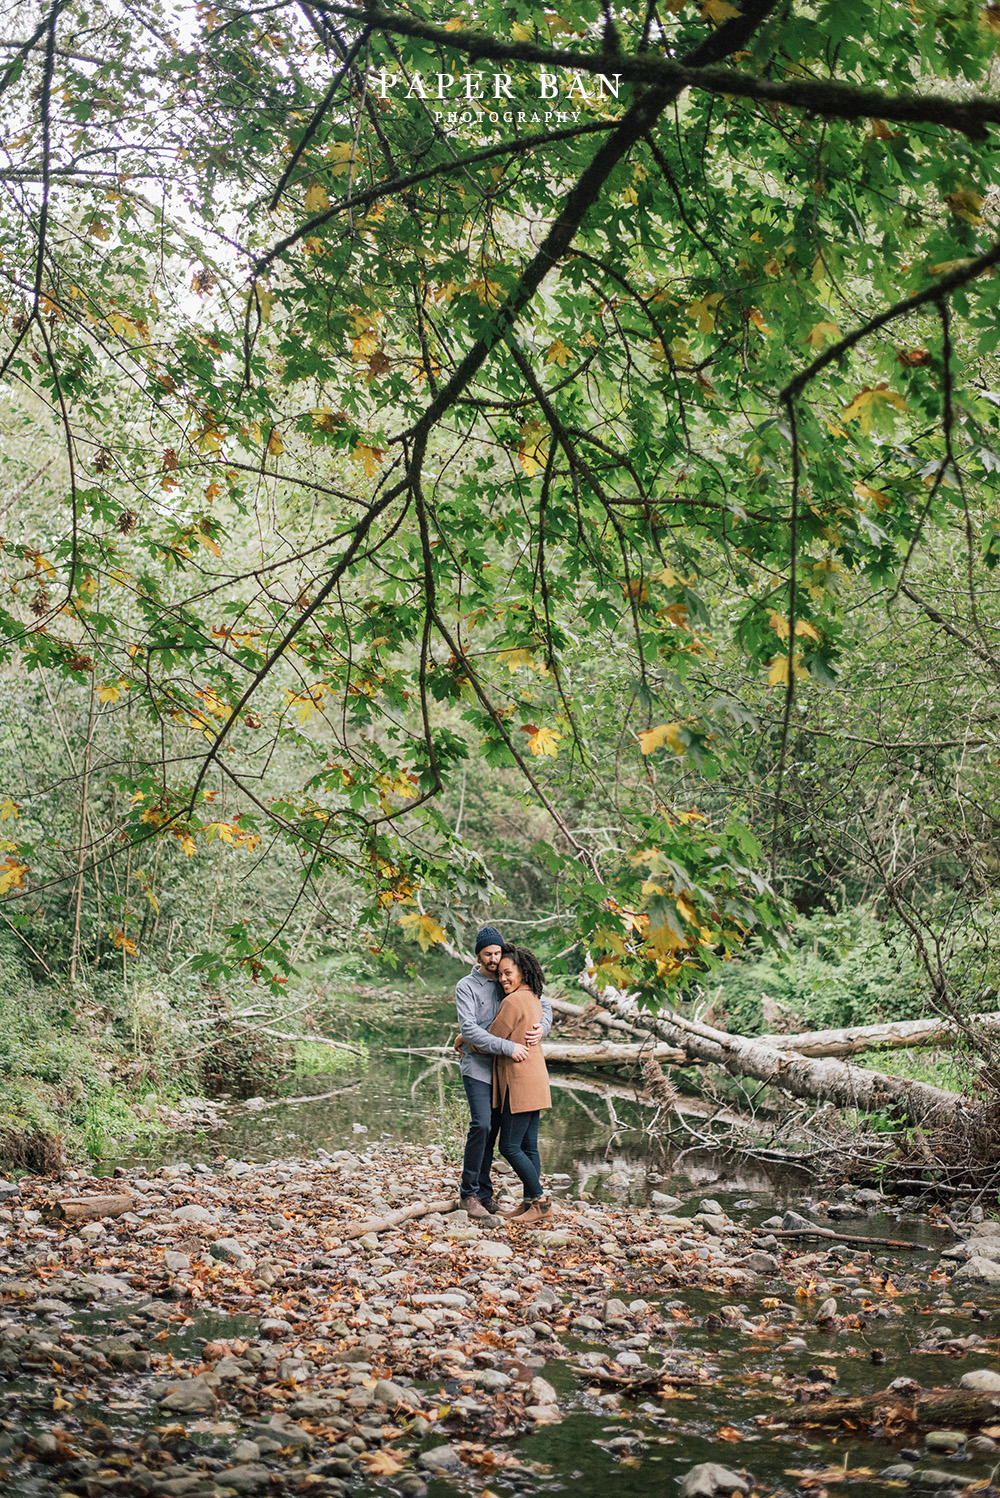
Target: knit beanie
x: 489, y: 936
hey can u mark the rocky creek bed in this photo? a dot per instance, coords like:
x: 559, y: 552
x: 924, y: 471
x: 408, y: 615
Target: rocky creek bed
x: 233, y: 1331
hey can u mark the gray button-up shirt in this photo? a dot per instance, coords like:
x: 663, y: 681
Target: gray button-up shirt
x: 477, y: 998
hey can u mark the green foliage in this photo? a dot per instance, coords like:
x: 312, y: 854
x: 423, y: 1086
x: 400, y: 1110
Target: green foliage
x: 372, y: 454
x: 837, y: 971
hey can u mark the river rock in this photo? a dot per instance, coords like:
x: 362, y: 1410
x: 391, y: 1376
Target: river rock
x: 990, y: 1228
x: 760, y: 1263
x: 978, y: 1271
x: 191, y: 1396
x: 393, y: 1395
x: 192, y: 1212
x: 792, y: 1220
x: 175, y: 1262
x: 440, y: 1459
x: 980, y: 1378
x: 898, y: 1472
x: 615, y: 1310
x: 249, y: 1477
x: 709, y: 1478
x: 543, y: 1414
x: 711, y: 1206
x: 944, y: 1440
x: 542, y: 1392
x: 230, y: 1251
x: 491, y: 1379
x: 492, y: 1248
x: 932, y: 1479
x: 664, y: 1202
x: 980, y: 1445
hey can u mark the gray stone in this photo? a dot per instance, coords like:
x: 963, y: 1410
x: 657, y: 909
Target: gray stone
x: 393, y: 1394
x: 246, y: 1451
x: 191, y: 1397
x: 711, y: 1206
x: 313, y: 1406
x: 980, y: 1445
x: 663, y: 1201
x: 932, y: 1479
x: 990, y: 1228
x: 491, y: 1379
x: 9, y: 1189
x: 898, y: 1472
x: 440, y: 1459
x: 827, y: 1310
x: 175, y: 1262
x: 978, y: 1271
x: 543, y: 1414
x: 760, y: 1263
x: 451, y: 1300
x: 773, y: 1222
x: 542, y: 1392
x: 709, y: 1478
x: 615, y: 1310
x: 944, y: 1440
x: 792, y: 1220
x: 191, y: 1212
x: 229, y: 1251
x: 586, y: 1324
x: 284, y: 1432
x: 248, y: 1477
x: 980, y: 1378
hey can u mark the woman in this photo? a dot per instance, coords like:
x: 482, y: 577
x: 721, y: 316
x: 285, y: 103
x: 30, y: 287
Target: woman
x: 521, y: 1087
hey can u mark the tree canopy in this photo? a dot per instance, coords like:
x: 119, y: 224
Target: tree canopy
x: 394, y: 397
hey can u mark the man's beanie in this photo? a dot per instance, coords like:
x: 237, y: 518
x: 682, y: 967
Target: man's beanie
x: 489, y: 936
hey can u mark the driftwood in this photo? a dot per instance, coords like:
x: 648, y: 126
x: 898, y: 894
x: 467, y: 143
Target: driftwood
x: 934, y: 1408
x: 72, y: 1209
x: 637, y: 1383
x: 573, y: 1053
x: 404, y: 1214
x: 845, y: 1237
x: 825, y: 1079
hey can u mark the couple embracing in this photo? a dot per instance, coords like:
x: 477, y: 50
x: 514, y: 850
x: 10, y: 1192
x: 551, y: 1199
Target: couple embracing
x: 502, y: 1017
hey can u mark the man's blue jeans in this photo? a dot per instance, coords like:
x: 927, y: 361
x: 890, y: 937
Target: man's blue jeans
x: 479, y: 1142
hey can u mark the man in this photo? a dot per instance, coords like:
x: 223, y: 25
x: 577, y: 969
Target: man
x: 477, y: 998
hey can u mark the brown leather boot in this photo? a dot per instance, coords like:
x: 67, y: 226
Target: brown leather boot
x: 474, y: 1206
x: 538, y: 1213
x: 518, y: 1210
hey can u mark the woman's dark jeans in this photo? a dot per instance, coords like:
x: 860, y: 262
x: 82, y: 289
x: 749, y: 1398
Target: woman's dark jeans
x: 519, y: 1147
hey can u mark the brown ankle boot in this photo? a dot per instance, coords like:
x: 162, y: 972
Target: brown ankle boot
x: 473, y: 1206
x: 515, y: 1211
x: 538, y: 1213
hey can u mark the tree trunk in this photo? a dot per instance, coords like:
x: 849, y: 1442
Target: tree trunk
x: 825, y: 1079
x: 934, y: 1031
x: 608, y: 1053
x: 74, y: 1209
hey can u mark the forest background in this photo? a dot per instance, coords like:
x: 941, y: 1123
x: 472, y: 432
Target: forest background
x: 427, y: 499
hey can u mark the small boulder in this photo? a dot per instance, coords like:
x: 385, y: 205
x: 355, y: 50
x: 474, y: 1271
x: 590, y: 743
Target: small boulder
x: 978, y: 1271
x: 191, y: 1212
x: 944, y: 1440
x: 709, y: 1478
x: 542, y: 1392
x: 192, y: 1396
x: 980, y: 1378
x: 440, y: 1459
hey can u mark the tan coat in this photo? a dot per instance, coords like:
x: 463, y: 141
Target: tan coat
x: 527, y: 1082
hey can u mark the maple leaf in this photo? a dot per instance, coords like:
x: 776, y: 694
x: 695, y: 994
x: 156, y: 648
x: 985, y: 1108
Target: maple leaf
x: 545, y: 741
x: 663, y: 733
x: 869, y: 404
x: 339, y: 155
x: 368, y: 457
x: 702, y: 313
x: 802, y: 627
x: 965, y: 204
x: 778, y: 674
x: 533, y: 449
x: 424, y: 929
x: 383, y: 1463
x: 316, y: 197
x: 557, y: 353
x: 718, y: 10
x: 12, y: 875
x: 822, y: 334
x: 8, y: 808
x: 110, y: 692
x: 123, y: 942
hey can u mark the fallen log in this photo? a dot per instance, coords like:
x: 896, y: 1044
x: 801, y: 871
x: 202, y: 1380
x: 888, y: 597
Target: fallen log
x: 572, y: 1053
x: 845, y: 1237
x: 827, y: 1080
x: 954, y: 1408
x: 896, y: 1035
x: 403, y: 1214
x: 934, y: 1031
x: 72, y: 1209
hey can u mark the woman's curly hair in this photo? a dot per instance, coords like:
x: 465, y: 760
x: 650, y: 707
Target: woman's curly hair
x: 530, y: 967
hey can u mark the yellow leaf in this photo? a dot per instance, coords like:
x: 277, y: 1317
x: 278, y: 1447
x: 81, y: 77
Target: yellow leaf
x: 545, y: 741
x: 703, y: 313
x: 867, y: 404
x: 520, y: 33
x: 59, y: 1403
x: 423, y: 928
x: 664, y: 733
x: 557, y: 353
x: 317, y: 197
x: 945, y: 267
x: 368, y: 457
x: 383, y: 1463
x: 123, y: 942
x: 8, y: 808
x: 802, y: 627
x: 275, y: 446
x: 778, y: 674
x: 965, y: 204
x: 877, y: 496
x: 12, y: 874
x: 718, y: 11
x: 822, y: 334
x: 533, y: 449
x: 186, y: 841
x: 514, y: 659
x: 339, y: 155
x: 109, y: 693
x: 686, y: 909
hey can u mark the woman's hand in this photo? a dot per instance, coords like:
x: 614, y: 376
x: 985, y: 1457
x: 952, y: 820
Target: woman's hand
x: 519, y: 1053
